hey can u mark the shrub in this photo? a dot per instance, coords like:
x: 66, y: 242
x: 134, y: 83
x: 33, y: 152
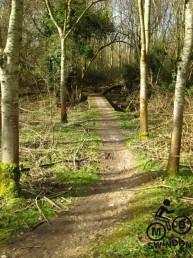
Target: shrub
x: 130, y: 74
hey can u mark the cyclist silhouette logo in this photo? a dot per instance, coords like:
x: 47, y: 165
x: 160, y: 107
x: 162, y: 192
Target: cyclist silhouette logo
x: 156, y: 231
x: 161, y: 211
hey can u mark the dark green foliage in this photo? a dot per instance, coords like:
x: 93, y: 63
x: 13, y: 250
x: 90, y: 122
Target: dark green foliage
x: 100, y: 77
x: 1, y: 58
x: 93, y: 24
x: 87, y: 51
x: 130, y: 74
x: 163, y: 68
x: 48, y: 27
x: 156, y: 58
x: 53, y: 63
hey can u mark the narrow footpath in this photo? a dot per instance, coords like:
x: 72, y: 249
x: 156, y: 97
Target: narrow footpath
x: 95, y: 215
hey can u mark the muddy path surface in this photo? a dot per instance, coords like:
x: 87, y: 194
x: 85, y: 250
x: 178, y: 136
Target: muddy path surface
x: 95, y: 215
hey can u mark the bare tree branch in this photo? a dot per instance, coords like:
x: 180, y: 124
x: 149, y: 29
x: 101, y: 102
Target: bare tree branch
x: 80, y: 17
x: 113, y: 41
x: 50, y: 11
x: 62, y: 32
x: 37, y: 28
x: 67, y: 16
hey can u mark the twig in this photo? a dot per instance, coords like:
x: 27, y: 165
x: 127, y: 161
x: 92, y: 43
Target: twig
x: 149, y: 188
x: 26, y: 247
x: 79, y: 147
x: 51, y: 202
x: 187, y: 198
x: 57, y: 162
x: 54, y: 195
x: 37, y: 225
x: 40, y: 210
x: 26, y: 110
x: 25, y: 208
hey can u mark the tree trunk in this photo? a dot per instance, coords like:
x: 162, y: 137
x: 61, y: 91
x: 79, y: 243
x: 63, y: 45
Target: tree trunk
x: 63, y: 90
x: 147, y: 23
x: 143, y: 95
x: 1, y: 41
x: 143, y: 76
x: 1, y: 55
x: 9, y: 70
x: 174, y: 157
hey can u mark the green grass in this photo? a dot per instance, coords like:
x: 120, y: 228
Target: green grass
x: 20, y: 216
x: 130, y: 239
x: 78, y: 180
x: 72, y: 148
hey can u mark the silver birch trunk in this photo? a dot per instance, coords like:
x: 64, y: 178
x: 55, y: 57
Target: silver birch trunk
x: 143, y: 75
x: 63, y: 90
x: 1, y: 58
x: 147, y: 10
x: 174, y: 157
x: 9, y: 70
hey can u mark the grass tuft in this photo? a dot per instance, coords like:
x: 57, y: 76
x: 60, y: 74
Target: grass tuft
x: 130, y: 239
x: 58, y: 162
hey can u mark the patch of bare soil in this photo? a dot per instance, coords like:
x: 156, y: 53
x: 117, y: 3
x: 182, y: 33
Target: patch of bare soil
x: 95, y: 215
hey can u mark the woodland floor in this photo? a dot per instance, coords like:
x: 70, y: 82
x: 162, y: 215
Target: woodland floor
x: 97, y: 213
x: 109, y: 220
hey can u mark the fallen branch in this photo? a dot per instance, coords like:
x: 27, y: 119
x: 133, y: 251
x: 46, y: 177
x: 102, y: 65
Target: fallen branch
x: 51, y: 202
x: 40, y: 210
x: 187, y: 199
x: 57, y: 162
x: 79, y: 147
x: 37, y: 225
x: 150, y: 187
x: 160, y: 186
x: 26, y: 247
x: 54, y: 195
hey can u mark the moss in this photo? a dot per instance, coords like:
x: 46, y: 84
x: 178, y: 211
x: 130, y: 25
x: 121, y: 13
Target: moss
x: 171, y: 172
x: 143, y: 135
x: 8, y: 187
x: 172, y: 169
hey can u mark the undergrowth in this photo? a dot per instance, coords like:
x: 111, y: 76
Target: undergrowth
x: 58, y: 162
x: 130, y: 239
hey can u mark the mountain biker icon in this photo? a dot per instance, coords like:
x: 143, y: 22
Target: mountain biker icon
x: 161, y: 211
x: 156, y: 231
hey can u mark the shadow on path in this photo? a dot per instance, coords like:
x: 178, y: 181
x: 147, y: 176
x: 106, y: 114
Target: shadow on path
x: 98, y: 212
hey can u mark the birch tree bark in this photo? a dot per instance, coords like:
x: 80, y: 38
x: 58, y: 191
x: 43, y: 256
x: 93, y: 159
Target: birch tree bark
x: 1, y: 53
x: 174, y: 157
x: 147, y: 10
x: 144, y: 24
x: 9, y: 69
x: 63, y: 89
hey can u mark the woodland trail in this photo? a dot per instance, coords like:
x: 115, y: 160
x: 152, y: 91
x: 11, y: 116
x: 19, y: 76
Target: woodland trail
x: 95, y: 215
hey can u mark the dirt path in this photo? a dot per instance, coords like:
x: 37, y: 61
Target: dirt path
x: 96, y: 214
